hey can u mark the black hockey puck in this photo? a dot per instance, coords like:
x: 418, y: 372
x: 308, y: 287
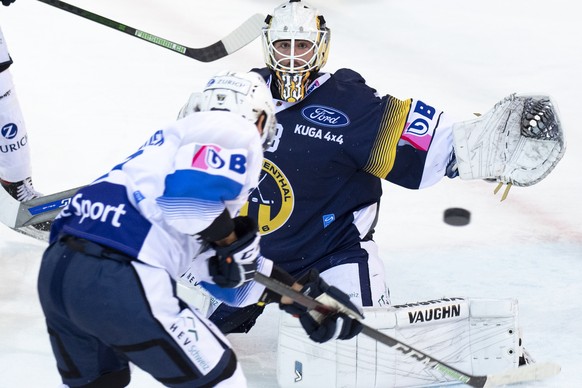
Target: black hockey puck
x: 457, y: 216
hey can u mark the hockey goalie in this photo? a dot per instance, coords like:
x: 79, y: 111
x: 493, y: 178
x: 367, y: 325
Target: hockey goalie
x: 518, y: 142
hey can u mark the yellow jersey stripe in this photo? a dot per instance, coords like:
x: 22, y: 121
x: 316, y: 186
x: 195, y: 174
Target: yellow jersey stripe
x: 383, y: 151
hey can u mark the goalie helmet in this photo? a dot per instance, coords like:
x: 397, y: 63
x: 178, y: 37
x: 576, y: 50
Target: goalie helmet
x: 244, y: 93
x: 292, y: 22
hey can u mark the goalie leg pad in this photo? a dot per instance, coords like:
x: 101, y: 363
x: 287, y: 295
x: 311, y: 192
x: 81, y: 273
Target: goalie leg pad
x: 479, y: 336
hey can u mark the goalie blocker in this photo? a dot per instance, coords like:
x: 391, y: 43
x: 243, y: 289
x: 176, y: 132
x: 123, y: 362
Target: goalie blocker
x: 479, y: 336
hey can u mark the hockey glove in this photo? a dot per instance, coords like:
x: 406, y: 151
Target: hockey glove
x: 322, y: 328
x: 517, y: 142
x: 7, y: 2
x: 236, y: 263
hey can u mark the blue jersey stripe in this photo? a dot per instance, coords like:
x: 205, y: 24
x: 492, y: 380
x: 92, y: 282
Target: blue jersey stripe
x: 200, y: 185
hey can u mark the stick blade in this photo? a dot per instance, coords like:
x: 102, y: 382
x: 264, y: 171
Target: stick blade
x: 244, y: 34
x: 21, y: 216
x: 237, y: 39
x: 9, y: 209
x: 532, y: 372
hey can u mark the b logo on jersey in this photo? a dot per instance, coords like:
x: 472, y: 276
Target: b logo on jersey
x: 325, y: 116
x: 9, y: 131
x: 271, y: 203
x: 207, y: 156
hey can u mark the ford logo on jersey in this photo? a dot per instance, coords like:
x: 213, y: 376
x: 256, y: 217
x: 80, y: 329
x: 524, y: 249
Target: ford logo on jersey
x: 326, y: 116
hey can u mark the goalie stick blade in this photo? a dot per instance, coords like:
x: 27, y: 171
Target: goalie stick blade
x: 240, y: 37
x: 532, y: 372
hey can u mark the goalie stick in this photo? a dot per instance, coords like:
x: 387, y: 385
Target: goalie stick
x: 524, y: 373
x: 243, y: 35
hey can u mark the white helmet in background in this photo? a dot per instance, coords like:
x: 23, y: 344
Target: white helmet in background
x: 244, y: 93
x: 295, y: 21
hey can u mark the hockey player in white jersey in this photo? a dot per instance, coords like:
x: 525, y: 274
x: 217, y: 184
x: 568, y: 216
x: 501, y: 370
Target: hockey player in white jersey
x: 107, y: 282
x: 15, y: 162
x: 15, y: 166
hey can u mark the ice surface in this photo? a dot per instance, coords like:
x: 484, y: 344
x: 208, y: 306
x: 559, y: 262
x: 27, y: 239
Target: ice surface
x: 92, y: 95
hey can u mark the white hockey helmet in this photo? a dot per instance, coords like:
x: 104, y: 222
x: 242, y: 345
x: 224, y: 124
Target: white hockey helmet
x: 244, y: 93
x: 294, y: 21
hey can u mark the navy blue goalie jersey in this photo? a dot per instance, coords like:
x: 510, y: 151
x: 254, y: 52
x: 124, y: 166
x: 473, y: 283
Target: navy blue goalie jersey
x: 320, y: 183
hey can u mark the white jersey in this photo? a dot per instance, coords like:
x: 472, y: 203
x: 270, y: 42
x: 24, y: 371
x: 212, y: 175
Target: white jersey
x: 14, y: 149
x: 151, y: 206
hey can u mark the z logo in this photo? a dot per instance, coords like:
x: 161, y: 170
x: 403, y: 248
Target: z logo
x: 9, y: 131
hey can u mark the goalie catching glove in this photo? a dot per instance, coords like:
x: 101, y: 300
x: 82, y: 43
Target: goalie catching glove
x: 343, y: 324
x: 235, y: 264
x: 518, y: 142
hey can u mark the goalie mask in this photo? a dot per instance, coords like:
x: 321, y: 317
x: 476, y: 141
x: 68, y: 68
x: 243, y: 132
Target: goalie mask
x: 244, y: 93
x: 296, y: 45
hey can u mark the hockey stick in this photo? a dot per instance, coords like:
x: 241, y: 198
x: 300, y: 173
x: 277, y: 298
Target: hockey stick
x: 530, y: 372
x: 243, y: 35
x: 18, y: 215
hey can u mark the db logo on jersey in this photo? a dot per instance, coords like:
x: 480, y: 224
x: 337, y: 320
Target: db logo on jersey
x: 420, y: 125
x: 9, y: 131
x: 211, y: 157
